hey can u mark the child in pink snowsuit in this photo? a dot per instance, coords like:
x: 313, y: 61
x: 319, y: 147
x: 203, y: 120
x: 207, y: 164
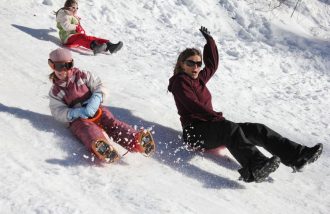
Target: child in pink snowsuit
x: 72, y: 33
x: 77, y: 95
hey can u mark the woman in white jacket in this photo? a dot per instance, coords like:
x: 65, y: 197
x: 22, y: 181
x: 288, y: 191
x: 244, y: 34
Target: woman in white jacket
x: 72, y: 33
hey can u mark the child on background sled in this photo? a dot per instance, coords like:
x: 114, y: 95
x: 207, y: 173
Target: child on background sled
x: 76, y: 97
x: 72, y: 33
x: 204, y: 128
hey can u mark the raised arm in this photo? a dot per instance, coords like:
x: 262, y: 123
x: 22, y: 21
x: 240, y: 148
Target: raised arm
x: 210, y: 56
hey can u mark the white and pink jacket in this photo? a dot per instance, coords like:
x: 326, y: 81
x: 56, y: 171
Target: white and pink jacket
x: 72, y: 92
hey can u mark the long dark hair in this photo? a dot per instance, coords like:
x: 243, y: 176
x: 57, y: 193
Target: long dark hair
x: 183, y: 56
x: 67, y: 4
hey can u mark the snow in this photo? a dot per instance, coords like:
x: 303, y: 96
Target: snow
x: 274, y: 69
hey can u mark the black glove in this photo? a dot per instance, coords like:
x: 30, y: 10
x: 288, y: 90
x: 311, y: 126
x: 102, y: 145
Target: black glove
x: 205, y: 32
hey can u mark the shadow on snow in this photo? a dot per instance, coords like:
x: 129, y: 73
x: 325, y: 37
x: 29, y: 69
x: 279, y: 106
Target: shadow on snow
x: 169, y: 147
x: 40, y: 34
x: 44, y: 35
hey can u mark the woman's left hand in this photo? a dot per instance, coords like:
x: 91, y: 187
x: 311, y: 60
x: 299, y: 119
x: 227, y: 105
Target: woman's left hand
x: 205, y: 32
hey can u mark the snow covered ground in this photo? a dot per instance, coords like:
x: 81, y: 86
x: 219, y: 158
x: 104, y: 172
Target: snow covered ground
x: 274, y: 69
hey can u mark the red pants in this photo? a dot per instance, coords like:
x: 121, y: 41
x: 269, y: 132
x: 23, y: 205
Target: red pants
x: 80, y: 39
x: 89, y: 132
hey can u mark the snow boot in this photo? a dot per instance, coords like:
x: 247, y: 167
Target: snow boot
x: 98, y: 48
x: 113, y: 48
x: 260, y: 174
x: 246, y: 175
x: 144, y: 143
x: 105, y: 151
x: 307, y: 156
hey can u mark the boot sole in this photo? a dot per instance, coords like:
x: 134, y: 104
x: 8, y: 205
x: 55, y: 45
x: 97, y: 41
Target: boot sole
x: 312, y: 159
x: 105, y: 152
x: 271, y: 166
x: 147, y: 143
x: 316, y: 155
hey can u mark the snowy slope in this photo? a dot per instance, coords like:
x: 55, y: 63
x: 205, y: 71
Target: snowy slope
x: 274, y: 69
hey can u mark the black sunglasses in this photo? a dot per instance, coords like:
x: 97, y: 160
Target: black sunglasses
x: 60, y: 66
x: 192, y: 63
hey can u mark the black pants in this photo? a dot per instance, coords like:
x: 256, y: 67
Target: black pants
x: 241, y: 140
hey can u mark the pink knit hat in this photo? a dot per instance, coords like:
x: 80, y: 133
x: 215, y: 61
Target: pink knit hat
x: 60, y: 55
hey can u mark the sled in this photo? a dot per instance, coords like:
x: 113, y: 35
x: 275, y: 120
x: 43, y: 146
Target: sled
x: 71, y: 46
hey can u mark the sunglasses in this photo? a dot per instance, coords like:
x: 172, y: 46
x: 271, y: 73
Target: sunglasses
x: 192, y: 63
x: 60, y: 66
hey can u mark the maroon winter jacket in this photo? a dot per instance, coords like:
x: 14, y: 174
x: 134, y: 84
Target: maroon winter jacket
x: 192, y: 98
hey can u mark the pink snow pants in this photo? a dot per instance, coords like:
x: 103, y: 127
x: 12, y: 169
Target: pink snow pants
x: 81, y: 39
x: 89, y: 132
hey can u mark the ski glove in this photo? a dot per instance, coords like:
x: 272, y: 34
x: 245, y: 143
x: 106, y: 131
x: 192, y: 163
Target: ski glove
x: 75, y: 113
x: 205, y: 32
x: 93, y: 104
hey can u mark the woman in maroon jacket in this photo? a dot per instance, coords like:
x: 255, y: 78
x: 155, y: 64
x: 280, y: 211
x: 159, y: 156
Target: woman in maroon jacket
x: 204, y: 128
